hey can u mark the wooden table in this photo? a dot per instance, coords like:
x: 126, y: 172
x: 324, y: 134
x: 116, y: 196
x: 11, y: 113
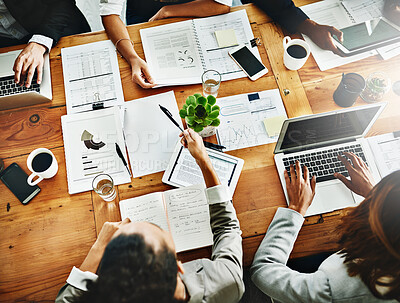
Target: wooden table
x: 40, y: 242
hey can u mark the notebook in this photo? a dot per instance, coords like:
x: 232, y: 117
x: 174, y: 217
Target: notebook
x: 184, y: 212
x: 180, y: 52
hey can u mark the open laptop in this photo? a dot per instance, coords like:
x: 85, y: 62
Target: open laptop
x: 12, y: 95
x: 316, y: 141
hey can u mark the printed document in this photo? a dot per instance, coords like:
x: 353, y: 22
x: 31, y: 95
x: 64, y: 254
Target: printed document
x: 184, y: 212
x: 89, y: 144
x: 150, y: 136
x: 242, y: 118
x: 179, y: 53
x: 386, y: 150
x: 91, y: 76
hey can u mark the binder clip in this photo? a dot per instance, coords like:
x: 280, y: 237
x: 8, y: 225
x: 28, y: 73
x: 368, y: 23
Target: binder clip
x: 97, y: 104
x: 256, y: 41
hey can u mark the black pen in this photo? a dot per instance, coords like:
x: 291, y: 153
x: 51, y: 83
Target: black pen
x: 119, y: 152
x: 169, y: 115
x: 213, y: 146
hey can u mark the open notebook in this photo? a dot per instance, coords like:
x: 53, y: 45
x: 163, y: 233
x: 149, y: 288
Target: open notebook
x: 183, y: 212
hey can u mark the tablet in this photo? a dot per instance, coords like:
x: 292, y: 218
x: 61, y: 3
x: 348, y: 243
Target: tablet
x: 368, y: 35
x: 183, y: 170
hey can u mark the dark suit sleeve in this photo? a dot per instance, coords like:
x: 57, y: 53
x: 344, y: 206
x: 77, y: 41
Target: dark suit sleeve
x: 283, y: 12
x: 62, y: 18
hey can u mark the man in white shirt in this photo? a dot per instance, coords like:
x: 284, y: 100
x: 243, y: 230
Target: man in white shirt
x: 150, y: 10
x: 139, y: 264
x: 40, y: 23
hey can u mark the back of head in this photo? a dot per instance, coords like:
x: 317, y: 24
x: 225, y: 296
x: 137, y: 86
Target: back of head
x: 131, y: 271
x: 370, y: 239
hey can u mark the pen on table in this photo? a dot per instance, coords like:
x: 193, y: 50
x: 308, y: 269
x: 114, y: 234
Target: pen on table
x: 206, y: 144
x: 119, y: 152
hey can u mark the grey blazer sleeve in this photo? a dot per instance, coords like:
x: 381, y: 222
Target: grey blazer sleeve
x: 270, y: 273
x: 67, y: 294
x: 224, y: 272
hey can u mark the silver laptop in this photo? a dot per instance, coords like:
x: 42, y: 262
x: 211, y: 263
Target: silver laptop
x: 316, y: 141
x: 12, y: 95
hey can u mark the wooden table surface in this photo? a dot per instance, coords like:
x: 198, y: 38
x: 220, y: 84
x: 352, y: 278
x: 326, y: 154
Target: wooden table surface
x: 40, y: 242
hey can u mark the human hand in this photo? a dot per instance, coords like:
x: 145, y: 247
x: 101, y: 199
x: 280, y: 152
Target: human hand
x: 322, y: 35
x: 107, y: 232
x: 391, y: 10
x: 29, y: 60
x: 299, y: 188
x: 192, y: 141
x: 159, y: 15
x: 140, y: 73
x: 361, y: 181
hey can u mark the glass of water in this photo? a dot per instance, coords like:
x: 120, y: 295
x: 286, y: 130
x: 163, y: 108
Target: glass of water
x: 103, y: 185
x: 211, y: 80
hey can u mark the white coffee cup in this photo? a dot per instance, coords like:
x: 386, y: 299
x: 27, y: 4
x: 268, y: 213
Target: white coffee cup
x: 296, y: 58
x: 43, y: 165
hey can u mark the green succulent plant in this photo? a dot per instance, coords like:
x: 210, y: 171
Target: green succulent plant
x: 199, y: 112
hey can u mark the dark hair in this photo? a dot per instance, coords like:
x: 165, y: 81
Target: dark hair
x: 370, y: 240
x: 131, y: 271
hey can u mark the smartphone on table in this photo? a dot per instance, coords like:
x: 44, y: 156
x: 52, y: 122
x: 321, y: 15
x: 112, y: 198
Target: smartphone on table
x: 248, y: 62
x: 16, y: 180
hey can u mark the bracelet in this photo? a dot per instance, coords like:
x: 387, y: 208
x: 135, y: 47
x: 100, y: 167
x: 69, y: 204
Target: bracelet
x: 116, y: 45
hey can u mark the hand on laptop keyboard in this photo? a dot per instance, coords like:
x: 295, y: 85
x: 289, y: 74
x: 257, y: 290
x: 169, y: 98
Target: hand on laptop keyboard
x: 300, y: 188
x: 361, y: 181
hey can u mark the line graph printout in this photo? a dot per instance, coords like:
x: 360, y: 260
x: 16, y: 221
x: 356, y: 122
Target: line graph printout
x: 91, y: 76
x: 242, y: 118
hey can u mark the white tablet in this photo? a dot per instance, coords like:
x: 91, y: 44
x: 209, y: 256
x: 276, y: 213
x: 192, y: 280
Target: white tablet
x: 183, y: 170
x: 368, y: 35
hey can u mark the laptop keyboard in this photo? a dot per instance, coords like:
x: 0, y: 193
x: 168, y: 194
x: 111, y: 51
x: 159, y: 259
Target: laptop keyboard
x: 323, y: 164
x: 9, y: 87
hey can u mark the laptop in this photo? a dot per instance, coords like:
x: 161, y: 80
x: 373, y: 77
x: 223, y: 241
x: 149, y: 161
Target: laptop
x: 12, y: 95
x: 316, y: 141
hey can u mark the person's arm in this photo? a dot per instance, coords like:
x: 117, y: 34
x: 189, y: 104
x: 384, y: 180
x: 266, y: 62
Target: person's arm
x: 226, y: 258
x: 293, y: 19
x: 269, y: 271
x: 361, y: 181
x: 76, y: 282
x: 117, y: 32
x: 196, y: 8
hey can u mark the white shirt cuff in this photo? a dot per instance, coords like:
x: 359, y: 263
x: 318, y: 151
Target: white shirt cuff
x: 43, y: 40
x: 77, y: 278
x: 218, y: 194
x: 112, y: 8
x: 225, y: 2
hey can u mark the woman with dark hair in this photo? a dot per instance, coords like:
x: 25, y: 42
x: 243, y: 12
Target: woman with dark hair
x: 367, y: 266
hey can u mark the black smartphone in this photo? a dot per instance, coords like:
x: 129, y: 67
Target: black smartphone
x: 16, y: 180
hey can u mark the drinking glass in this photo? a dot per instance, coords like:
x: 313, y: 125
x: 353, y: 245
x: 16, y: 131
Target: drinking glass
x: 211, y: 80
x: 103, y: 185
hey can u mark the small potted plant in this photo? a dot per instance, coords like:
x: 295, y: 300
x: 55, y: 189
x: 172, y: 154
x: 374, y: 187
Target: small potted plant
x: 377, y: 85
x: 201, y: 114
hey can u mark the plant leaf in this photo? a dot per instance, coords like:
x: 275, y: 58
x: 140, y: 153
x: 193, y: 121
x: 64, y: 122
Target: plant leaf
x: 214, y: 114
x: 199, y: 121
x: 211, y: 99
x: 207, y: 122
x: 182, y: 113
x: 198, y: 128
x: 197, y: 95
x: 190, y: 119
x: 216, y: 122
x: 200, y: 111
x: 191, y: 100
x: 208, y: 108
x: 184, y: 106
x: 215, y: 107
x: 191, y: 110
x: 201, y: 100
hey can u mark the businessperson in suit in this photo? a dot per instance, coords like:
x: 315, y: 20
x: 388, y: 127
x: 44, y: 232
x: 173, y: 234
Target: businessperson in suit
x: 40, y: 23
x: 138, y: 262
x: 366, y: 268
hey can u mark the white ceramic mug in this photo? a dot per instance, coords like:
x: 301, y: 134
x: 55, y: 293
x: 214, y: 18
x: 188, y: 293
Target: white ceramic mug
x: 47, y: 173
x: 291, y: 62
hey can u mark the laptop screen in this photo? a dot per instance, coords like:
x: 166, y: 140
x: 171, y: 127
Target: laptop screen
x: 320, y: 129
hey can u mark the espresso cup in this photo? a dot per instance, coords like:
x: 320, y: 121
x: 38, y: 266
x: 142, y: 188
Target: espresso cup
x: 43, y: 165
x: 296, y: 52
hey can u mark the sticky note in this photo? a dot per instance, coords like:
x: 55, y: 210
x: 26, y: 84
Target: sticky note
x: 273, y: 125
x: 226, y: 37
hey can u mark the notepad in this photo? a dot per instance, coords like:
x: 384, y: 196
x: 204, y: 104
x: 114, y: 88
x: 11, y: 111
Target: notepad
x: 184, y: 212
x: 273, y: 125
x: 226, y: 37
